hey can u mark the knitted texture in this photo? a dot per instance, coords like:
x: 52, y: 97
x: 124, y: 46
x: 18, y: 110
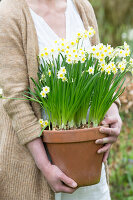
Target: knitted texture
x: 20, y: 179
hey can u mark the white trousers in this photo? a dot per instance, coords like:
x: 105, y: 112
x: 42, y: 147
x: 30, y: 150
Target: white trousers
x: 99, y: 191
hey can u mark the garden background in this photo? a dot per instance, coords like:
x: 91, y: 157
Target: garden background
x: 115, y: 21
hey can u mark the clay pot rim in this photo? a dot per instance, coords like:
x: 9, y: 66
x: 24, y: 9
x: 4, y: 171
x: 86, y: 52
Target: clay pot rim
x: 71, y: 130
x: 72, y: 136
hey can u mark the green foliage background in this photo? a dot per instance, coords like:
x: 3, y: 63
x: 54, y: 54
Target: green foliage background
x: 114, y: 17
x: 115, y: 21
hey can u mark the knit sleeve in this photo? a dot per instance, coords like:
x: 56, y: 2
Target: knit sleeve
x: 92, y: 22
x: 14, y: 77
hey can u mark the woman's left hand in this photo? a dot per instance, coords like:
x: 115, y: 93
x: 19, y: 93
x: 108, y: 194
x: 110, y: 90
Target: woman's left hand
x: 112, y: 118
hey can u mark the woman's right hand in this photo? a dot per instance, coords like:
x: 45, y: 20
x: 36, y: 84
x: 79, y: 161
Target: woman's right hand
x: 57, y: 180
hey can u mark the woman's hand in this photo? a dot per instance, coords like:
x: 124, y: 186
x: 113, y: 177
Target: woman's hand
x: 57, y: 180
x: 112, y: 118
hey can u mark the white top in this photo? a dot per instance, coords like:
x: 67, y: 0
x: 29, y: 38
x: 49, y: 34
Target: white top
x: 46, y: 37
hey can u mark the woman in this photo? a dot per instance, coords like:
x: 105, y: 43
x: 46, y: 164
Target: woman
x: 25, y: 171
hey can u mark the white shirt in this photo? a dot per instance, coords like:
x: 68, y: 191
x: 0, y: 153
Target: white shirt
x: 46, y: 37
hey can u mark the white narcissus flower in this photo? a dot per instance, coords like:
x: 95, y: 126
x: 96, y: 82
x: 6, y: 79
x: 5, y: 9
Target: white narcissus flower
x: 52, y: 50
x: 67, y: 51
x: 126, y: 49
x: 109, y: 66
x: 42, y: 54
x: 42, y: 125
x: 108, y: 69
x: 72, y: 43
x: 105, y: 50
x: 114, y: 70
x: 79, y: 35
x: 76, y: 57
x: 112, y: 65
x: 91, y: 31
x: 102, y: 66
x: 108, y: 50
x: 123, y: 53
x: 122, y: 65
x: 131, y: 61
x: 127, y: 53
x: 109, y: 47
x: 93, y: 49
x: 64, y: 79
x: 60, y: 75
x: 122, y: 68
x: 41, y: 121
x: 56, y: 42
x: 91, y: 70
x: 45, y: 53
x: 69, y: 60
x: 45, y: 122
x: 100, y: 46
x: 43, y: 94
x: 81, y: 52
x: 101, y: 59
x: 46, y: 89
x: 97, y: 54
x: 42, y: 76
x: 63, y: 70
x: 82, y: 59
x: 102, y: 55
x: 49, y: 73
x: 86, y: 35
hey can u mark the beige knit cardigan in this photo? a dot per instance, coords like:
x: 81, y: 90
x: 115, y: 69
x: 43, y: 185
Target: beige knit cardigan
x: 20, y: 179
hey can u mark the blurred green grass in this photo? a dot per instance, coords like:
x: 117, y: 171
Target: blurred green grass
x: 121, y: 162
x: 121, y: 155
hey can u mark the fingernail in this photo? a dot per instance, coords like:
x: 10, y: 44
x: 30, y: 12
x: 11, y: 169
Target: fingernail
x: 103, y: 122
x: 74, y: 184
x: 99, y: 151
x: 101, y: 130
x: 97, y: 141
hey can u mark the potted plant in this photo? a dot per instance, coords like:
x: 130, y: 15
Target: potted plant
x: 71, y: 80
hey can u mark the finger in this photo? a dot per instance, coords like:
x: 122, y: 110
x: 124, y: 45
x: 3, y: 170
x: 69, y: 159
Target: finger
x: 104, y: 149
x: 106, y: 140
x: 66, y: 189
x: 106, y: 155
x: 68, y: 181
x: 110, y: 120
x: 110, y: 131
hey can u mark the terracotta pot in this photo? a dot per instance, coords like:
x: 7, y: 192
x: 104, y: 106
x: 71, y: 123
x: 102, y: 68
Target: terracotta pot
x: 75, y: 153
